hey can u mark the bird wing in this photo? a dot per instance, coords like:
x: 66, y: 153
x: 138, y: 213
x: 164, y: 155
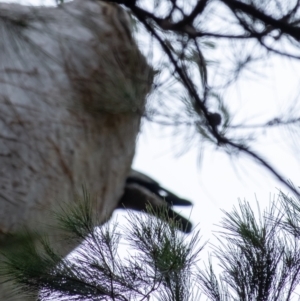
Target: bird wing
x: 137, y: 197
x: 145, y: 181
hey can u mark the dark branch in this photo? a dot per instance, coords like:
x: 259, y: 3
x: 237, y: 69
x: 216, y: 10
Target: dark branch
x: 248, y: 9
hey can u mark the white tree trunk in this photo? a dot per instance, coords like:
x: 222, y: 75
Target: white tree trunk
x: 72, y: 90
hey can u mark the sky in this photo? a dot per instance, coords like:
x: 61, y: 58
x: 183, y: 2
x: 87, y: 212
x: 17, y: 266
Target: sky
x: 220, y: 181
x: 268, y: 90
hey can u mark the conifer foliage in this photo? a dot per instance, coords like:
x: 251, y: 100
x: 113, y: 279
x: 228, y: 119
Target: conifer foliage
x: 258, y: 256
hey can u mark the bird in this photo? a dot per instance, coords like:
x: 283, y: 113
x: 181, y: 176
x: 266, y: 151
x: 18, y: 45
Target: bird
x: 140, y: 190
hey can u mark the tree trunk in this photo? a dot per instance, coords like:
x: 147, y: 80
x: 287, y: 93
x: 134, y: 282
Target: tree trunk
x: 72, y: 90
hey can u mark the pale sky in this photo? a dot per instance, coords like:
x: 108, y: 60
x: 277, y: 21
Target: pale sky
x: 220, y: 181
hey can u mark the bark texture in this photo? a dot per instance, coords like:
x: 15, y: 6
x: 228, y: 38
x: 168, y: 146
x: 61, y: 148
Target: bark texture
x: 72, y: 90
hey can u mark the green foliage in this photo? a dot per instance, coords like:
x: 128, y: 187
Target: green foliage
x: 258, y: 253
x: 161, y: 265
x: 259, y: 259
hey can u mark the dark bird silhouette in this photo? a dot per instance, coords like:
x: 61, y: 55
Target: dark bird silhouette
x: 140, y: 191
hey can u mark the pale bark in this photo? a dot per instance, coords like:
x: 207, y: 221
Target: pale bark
x: 72, y: 90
